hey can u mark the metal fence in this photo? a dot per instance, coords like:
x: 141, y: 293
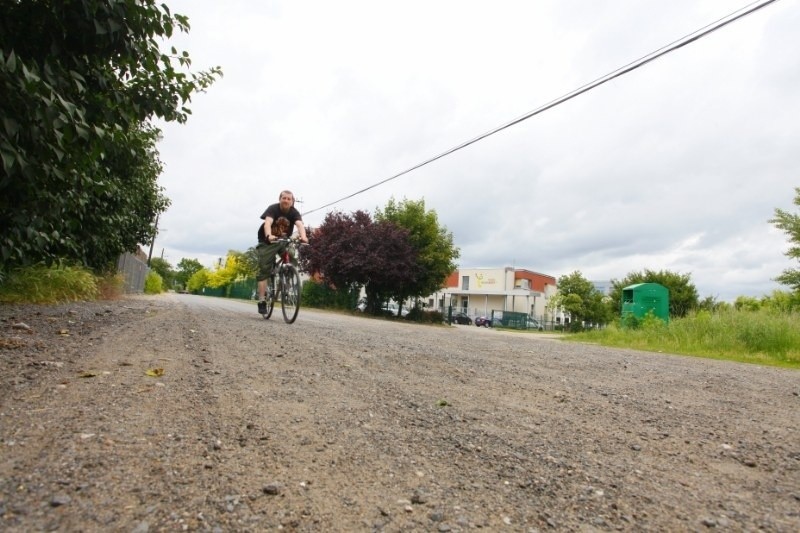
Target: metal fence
x: 243, y: 289
x: 135, y: 271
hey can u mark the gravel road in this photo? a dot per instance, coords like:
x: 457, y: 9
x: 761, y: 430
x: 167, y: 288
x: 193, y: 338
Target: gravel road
x: 346, y: 423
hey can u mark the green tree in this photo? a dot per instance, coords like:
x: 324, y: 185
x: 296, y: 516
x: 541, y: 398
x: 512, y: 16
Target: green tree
x: 682, y: 292
x: 790, y: 224
x: 186, y: 269
x: 163, y: 269
x: 250, y: 260
x: 711, y: 304
x: 747, y: 303
x: 235, y: 268
x: 198, y: 280
x: 579, y: 297
x: 79, y: 82
x: 782, y: 302
x: 436, y: 253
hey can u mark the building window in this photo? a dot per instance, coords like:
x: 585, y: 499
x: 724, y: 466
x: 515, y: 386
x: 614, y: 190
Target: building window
x: 465, y: 304
x: 464, y: 283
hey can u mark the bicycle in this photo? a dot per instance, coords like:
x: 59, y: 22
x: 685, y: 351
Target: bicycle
x: 284, y: 282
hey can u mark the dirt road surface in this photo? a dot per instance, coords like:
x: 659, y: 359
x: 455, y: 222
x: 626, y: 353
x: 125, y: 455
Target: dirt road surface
x: 344, y: 423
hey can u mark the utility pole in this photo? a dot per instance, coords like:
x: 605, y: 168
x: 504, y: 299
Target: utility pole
x: 153, y: 243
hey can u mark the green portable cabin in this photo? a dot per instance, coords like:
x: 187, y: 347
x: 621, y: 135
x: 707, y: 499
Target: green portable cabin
x: 640, y: 299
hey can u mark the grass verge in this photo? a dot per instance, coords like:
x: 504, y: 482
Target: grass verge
x: 56, y: 284
x: 760, y: 337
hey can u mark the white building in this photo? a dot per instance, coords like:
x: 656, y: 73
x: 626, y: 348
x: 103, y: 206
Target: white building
x: 479, y: 291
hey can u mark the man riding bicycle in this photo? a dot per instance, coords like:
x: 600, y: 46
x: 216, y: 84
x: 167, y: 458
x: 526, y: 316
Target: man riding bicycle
x: 279, y: 222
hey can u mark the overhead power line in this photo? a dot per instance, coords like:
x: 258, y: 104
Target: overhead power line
x: 664, y: 50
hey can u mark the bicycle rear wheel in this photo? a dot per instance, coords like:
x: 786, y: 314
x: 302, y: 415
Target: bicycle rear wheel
x: 290, y: 293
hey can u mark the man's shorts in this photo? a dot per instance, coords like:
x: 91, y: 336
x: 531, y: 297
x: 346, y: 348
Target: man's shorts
x: 266, y: 259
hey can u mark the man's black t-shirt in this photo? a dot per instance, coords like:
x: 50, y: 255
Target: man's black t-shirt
x: 282, y: 223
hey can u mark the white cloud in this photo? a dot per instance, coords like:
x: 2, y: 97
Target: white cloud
x: 677, y: 165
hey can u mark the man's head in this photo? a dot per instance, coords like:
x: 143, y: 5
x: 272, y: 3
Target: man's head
x: 286, y: 199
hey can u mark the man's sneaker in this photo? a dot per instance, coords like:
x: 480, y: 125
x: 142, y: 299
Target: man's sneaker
x: 262, y: 307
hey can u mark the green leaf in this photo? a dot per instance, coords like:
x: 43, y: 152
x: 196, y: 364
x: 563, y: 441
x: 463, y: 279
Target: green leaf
x: 11, y: 126
x: 8, y: 158
x: 11, y: 62
x: 30, y: 77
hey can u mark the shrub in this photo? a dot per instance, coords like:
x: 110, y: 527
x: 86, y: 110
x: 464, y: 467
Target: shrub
x: 111, y: 286
x: 425, y: 317
x: 318, y: 294
x: 575, y: 326
x: 153, y: 284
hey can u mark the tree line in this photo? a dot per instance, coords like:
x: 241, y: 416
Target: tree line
x: 402, y: 253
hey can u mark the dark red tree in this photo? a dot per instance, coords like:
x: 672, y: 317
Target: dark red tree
x: 350, y: 251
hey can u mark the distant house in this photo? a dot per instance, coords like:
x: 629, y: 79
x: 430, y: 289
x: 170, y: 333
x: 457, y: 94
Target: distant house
x: 479, y: 291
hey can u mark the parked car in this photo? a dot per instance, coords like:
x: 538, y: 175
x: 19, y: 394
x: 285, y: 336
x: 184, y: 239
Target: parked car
x: 462, y: 318
x: 483, y: 321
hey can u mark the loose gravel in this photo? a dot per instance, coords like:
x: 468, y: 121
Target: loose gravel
x: 180, y: 412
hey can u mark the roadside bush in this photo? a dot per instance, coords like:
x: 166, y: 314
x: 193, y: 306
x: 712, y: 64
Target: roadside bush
x: 153, y: 284
x: 111, y: 286
x: 319, y: 295
x: 415, y: 314
x: 425, y: 317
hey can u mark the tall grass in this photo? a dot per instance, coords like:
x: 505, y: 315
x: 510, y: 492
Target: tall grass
x: 48, y: 285
x: 762, y: 337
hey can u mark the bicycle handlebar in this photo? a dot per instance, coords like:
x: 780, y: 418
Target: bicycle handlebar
x: 293, y: 240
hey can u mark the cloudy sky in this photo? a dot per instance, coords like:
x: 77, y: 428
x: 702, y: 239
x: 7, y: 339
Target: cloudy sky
x: 677, y: 165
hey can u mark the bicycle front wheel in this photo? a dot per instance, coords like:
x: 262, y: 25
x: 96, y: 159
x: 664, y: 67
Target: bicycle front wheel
x: 270, y: 298
x: 290, y: 293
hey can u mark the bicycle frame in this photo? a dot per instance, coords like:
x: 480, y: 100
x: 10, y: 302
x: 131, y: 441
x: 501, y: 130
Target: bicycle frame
x: 285, y: 282
x: 287, y: 255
